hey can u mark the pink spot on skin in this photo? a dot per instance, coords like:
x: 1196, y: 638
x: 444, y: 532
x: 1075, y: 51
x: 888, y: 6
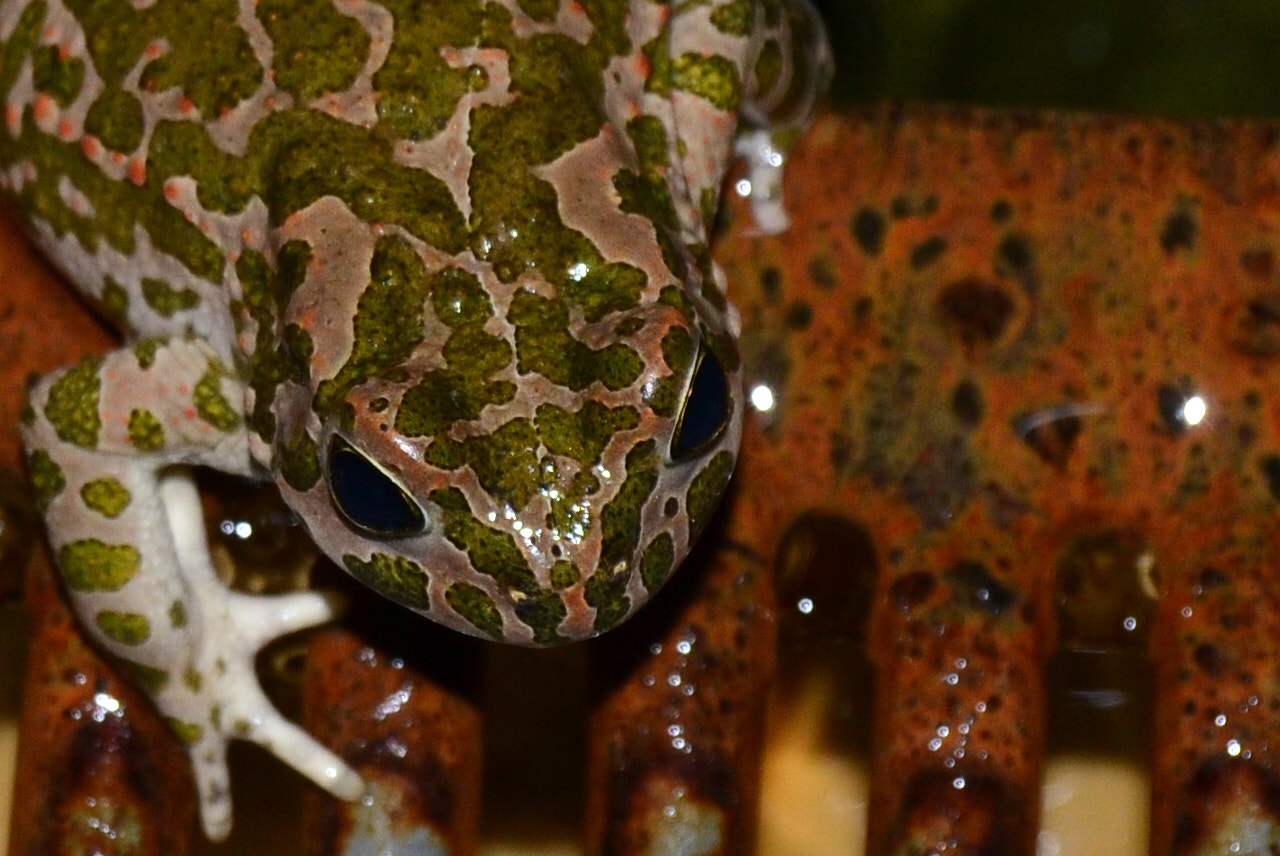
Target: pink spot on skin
x: 50, y: 34
x: 64, y: 51
x: 91, y: 147
x: 117, y: 158
x: 44, y: 107
x: 171, y: 191
x: 12, y: 114
x: 246, y: 237
x: 66, y: 130
x: 187, y: 106
x: 138, y: 171
x: 153, y: 50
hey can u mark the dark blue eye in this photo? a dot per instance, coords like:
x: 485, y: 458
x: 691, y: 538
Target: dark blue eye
x: 367, y: 497
x: 706, y: 408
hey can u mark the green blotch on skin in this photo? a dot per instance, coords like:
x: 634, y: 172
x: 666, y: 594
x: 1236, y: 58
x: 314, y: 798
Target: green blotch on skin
x: 299, y: 461
x: 647, y: 193
x: 388, y: 323
x: 145, y: 431
x: 188, y: 733
x: 476, y: 607
x: 705, y: 491
x: 193, y: 679
x: 325, y: 55
x: 712, y: 77
x: 127, y: 628
x: 266, y: 294
x: 150, y: 678
x: 107, y: 496
x: 93, y: 565
x: 211, y: 406
x: 177, y: 614
x: 606, y: 592
x: 540, y: 10
x: 504, y: 460
x: 21, y: 43
x: 583, y: 435
x: 72, y: 406
x: 47, y: 479
x: 116, y: 119
x: 55, y: 76
x: 564, y: 575
x: 400, y: 579
x: 544, y: 345
x: 114, y: 301
x: 678, y: 351
x: 145, y: 352
x: 737, y: 18
x: 165, y: 300
x: 620, y: 519
x: 769, y: 66
x: 458, y: 298
x: 657, y: 562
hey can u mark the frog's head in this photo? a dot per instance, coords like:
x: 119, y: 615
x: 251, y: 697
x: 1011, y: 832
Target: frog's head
x: 487, y: 455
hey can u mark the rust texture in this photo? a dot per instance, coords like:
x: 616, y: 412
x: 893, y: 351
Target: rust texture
x: 411, y: 732
x: 97, y: 770
x: 1029, y: 356
x: 1019, y: 371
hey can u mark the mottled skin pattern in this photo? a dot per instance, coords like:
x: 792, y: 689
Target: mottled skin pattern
x: 439, y: 269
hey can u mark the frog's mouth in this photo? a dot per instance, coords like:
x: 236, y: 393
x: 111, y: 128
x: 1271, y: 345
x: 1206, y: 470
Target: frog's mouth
x: 368, y: 497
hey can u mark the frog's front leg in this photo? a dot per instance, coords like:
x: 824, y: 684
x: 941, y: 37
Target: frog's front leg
x: 109, y: 443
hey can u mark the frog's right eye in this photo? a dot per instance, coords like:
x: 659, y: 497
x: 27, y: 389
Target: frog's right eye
x: 369, y: 499
x: 707, y: 409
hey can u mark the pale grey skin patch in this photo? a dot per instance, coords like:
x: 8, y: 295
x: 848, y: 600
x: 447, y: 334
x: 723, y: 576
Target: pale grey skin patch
x: 369, y: 282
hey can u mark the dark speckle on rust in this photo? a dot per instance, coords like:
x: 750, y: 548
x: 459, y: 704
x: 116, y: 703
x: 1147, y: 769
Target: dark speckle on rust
x: 1258, y: 262
x: 976, y: 585
x: 928, y: 252
x: 912, y: 590
x: 823, y: 272
x: 1270, y: 467
x: 976, y: 311
x: 868, y: 229
x: 1171, y: 404
x: 967, y: 405
x: 799, y: 315
x: 1053, y: 440
x: 1001, y: 211
x: 1256, y: 328
x: 1179, y: 232
x: 1013, y: 256
x: 771, y: 283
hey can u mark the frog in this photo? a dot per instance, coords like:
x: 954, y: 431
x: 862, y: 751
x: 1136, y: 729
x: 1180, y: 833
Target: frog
x: 437, y: 270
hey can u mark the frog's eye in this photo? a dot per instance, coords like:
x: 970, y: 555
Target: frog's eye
x: 367, y: 497
x: 706, y: 408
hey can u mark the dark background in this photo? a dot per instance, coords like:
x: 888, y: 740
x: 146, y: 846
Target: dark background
x: 1170, y: 57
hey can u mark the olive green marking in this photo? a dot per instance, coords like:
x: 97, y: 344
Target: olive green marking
x: 92, y: 565
x: 461, y: 390
x: 647, y: 193
x: 400, y: 579
x: 177, y: 615
x: 571, y: 510
x: 107, y: 496
x: 150, y: 678
x: 192, y: 679
x: 657, y: 562
x: 544, y: 345
x: 737, y: 18
x: 540, y: 10
x: 324, y: 55
x: 495, y: 554
x: 705, y: 491
x: 211, y: 406
x: 620, y: 519
x: 606, y: 592
x: 55, y: 76
x: 476, y: 607
x: 678, y: 352
x: 165, y: 300
x: 266, y: 294
x: 505, y: 460
x: 298, y: 460
x: 145, y: 352
x: 188, y: 733
x: 47, y: 479
x: 21, y: 44
x: 564, y: 575
x: 127, y: 628
x: 116, y: 119
x: 72, y: 406
x: 710, y: 76
x: 145, y: 431
x: 114, y: 301
x: 210, y: 58
x: 769, y: 65
x: 583, y: 435
x: 388, y: 323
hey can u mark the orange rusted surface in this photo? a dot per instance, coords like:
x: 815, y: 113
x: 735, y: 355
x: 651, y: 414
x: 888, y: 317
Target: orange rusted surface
x: 1001, y: 345
x: 97, y: 770
x: 1019, y: 371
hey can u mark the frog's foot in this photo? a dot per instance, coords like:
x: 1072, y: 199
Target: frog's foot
x: 219, y: 698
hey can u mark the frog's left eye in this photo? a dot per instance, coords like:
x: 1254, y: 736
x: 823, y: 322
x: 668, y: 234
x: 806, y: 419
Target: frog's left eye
x: 706, y: 408
x: 367, y: 497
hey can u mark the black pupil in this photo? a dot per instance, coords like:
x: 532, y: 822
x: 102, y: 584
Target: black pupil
x: 365, y: 495
x: 706, y: 409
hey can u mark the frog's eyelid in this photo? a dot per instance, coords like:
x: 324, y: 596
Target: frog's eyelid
x: 367, y: 497
x: 707, y: 408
